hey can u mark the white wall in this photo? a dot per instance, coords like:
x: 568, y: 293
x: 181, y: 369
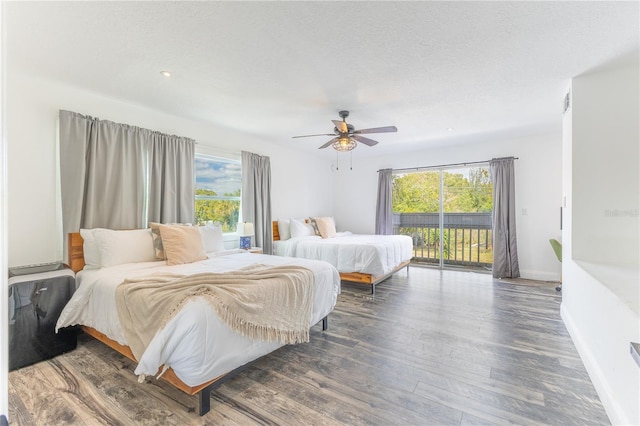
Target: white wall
x: 4, y: 302
x: 538, y: 191
x: 35, y: 235
x: 605, y: 167
x: 601, y: 294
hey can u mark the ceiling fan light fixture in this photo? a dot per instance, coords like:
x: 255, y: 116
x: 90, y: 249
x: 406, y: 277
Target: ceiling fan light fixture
x: 345, y: 137
x: 344, y: 144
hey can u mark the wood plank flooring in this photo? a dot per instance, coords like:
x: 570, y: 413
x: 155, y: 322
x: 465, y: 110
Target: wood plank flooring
x: 430, y: 347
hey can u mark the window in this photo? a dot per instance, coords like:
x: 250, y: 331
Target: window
x: 463, y: 198
x: 217, y: 191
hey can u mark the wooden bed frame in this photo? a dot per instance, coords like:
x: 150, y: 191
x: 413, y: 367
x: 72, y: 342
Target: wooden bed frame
x: 354, y: 277
x: 76, y: 263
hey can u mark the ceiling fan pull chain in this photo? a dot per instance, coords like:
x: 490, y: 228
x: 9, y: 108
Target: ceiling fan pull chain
x: 351, y: 160
x: 337, y: 162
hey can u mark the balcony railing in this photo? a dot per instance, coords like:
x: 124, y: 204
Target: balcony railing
x: 467, y: 237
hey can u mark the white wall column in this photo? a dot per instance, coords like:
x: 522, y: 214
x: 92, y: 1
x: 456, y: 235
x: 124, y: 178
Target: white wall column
x: 600, y: 268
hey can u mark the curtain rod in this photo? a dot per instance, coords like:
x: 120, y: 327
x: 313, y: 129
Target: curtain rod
x: 445, y: 165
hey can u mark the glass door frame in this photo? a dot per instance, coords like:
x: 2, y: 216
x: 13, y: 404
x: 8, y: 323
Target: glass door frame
x: 441, y: 169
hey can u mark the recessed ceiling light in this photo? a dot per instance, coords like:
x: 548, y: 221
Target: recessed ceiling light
x: 166, y: 73
x: 450, y: 129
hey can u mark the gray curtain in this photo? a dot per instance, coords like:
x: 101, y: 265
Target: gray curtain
x: 256, y: 198
x: 107, y: 171
x: 505, y: 252
x: 384, y: 213
x: 171, y: 179
x: 101, y: 178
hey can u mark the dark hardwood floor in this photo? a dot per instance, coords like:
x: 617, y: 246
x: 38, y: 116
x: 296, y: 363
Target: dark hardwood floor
x: 430, y: 347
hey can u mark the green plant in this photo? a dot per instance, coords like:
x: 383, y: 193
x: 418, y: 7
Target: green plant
x: 557, y: 248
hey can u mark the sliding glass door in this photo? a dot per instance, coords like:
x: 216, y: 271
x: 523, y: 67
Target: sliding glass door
x: 447, y: 212
x: 466, y: 206
x: 416, y: 207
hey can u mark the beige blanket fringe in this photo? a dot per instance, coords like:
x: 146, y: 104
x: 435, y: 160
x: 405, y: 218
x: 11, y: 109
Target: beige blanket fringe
x: 269, y: 303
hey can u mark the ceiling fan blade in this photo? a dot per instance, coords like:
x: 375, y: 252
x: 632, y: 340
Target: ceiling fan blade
x: 366, y: 141
x: 341, y: 126
x: 329, y: 143
x: 387, y: 129
x: 308, y: 136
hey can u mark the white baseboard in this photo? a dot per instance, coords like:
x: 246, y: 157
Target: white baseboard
x: 613, y: 409
x: 539, y: 275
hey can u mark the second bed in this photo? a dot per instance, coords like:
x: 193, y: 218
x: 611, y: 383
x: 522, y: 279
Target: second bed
x: 359, y: 258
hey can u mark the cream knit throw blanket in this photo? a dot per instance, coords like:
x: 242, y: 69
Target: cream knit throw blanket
x: 260, y: 302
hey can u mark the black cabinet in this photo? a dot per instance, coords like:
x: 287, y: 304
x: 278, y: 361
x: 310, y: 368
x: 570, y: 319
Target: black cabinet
x: 37, y: 295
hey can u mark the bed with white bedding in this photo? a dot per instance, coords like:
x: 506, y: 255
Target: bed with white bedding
x: 358, y: 258
x: 196, y: 345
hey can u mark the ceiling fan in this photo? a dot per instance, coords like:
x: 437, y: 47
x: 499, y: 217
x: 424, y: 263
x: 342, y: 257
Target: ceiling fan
x: 345, y: 135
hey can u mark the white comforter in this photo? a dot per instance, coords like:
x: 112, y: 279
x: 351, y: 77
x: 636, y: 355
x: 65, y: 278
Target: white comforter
x: 195, y: 343
x: 368, y: 254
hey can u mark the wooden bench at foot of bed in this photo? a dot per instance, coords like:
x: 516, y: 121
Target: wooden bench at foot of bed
x: 353, y: 277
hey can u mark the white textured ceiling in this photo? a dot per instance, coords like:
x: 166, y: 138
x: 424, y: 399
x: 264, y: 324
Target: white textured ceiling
x: 279, y: 69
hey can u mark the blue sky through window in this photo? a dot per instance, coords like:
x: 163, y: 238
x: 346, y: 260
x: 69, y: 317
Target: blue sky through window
x: 218, y: 174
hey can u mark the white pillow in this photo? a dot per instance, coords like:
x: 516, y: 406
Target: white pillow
x: 333, y: 220
x: 212, y: 238
x: 118, y: 247
x: 90, y: 249
x: 301, y: 229
x: 284, y: 229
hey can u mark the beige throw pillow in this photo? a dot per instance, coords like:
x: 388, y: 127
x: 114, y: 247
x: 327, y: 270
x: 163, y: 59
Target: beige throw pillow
x: 157, y: 238
x: 182, y: 244
x: 326, y: 227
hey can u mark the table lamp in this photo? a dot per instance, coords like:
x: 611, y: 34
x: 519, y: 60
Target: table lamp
x: 245, y: 230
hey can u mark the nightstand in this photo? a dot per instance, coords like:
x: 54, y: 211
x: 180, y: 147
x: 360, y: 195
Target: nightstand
x: 255, y: 250
x: 37, y: 295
